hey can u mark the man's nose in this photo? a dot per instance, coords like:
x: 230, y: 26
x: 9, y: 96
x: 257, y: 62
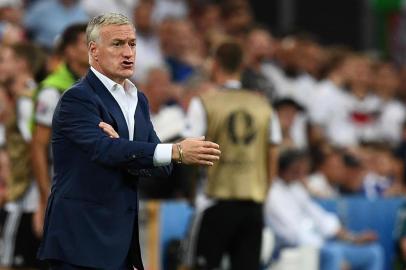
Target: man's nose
x: 128, y: 51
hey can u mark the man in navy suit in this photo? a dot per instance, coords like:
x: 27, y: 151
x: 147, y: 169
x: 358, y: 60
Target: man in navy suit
x: 102, y: 141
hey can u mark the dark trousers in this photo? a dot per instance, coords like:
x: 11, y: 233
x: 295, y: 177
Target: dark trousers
x: 233, y: 228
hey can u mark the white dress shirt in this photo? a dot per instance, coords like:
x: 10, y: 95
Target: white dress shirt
x: 305, y: 90
x: 390, y: 121
x: 296, y: 218
x: 127, y: 99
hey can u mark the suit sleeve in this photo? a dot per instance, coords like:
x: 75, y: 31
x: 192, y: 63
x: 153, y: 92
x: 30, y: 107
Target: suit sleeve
x: 77, y: 117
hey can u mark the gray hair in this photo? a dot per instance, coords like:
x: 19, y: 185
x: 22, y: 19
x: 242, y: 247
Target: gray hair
x: 94, y: 25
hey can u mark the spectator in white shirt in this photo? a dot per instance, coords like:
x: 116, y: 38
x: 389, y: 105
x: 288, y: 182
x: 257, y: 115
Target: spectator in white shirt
x: 298, y: 221
x: 328, y: 102
x: 359, y: 107
x: 393, y: 112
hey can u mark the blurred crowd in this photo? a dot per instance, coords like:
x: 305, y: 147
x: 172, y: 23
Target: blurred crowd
x: 345, y: 109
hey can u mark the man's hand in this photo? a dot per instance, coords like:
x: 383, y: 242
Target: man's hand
x: 196, y: 151
x: 38, y: 220
x: 366, y: 237
x: 360, y: 238
x: 109, y: 130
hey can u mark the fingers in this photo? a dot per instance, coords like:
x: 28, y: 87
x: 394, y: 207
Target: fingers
x: 110, y: 133
x: 208, y: 153
x: 210, y: 148
x: 203, y: 162
x: 206, y: 163
x: 109, y: 130
x: 207, y: 144
x: 105, y: 125
x: 211, y: 145
x: 210, y: 158
x: 211, y: 151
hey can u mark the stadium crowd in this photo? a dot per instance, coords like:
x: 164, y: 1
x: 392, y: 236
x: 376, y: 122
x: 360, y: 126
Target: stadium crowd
x: 341, y: 109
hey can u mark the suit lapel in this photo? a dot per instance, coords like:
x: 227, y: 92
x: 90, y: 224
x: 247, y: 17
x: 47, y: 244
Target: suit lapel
x: 110, y: 103
x: 138, y: 119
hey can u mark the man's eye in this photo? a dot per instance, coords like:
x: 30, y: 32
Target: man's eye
x: 132, y: 44
x: 116, y: 44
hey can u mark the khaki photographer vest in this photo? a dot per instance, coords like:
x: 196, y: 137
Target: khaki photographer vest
x: 238, y: 120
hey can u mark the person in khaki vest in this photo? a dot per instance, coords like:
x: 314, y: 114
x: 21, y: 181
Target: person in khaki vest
x: 18, y: 241
x: 229, y: 207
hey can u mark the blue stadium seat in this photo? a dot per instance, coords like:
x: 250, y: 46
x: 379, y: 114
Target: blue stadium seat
x: 358, y: 214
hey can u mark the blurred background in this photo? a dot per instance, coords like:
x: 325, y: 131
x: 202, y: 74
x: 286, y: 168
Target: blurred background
x: 334, y: 72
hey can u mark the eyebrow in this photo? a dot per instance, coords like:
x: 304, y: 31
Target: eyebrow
x: 123, y: 40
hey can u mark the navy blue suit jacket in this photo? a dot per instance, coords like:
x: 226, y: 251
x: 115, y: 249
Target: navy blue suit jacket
x: 91, y: 218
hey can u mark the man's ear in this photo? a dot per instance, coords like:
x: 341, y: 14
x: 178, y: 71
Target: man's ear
x: 94, y: 52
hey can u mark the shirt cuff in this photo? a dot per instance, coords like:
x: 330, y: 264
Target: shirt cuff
x: 163, y: 154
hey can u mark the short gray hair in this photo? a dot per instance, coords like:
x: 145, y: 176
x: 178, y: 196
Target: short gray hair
x: 94, y: 25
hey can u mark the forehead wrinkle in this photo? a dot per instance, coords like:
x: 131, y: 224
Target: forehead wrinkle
x: 116, y: 32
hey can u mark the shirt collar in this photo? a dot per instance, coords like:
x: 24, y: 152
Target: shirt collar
x: 112, y: 86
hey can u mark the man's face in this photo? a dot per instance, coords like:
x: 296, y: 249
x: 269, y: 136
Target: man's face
x: 260, y: 45
x: 287, y: 114
x: 334, y: 168
x: 297, y: 171
x: 77, y: 52
x: 113, y: 53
